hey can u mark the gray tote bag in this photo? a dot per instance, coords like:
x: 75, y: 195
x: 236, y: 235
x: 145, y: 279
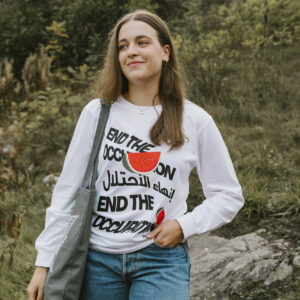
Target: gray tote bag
x: 64, y: 278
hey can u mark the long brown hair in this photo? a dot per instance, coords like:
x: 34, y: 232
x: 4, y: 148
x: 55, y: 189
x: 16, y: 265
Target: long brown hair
x: 112, y: 82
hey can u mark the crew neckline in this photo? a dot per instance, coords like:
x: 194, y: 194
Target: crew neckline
x: 144, y: 107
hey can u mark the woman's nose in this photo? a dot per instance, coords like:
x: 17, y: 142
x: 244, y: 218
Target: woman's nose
x: 132, y: 50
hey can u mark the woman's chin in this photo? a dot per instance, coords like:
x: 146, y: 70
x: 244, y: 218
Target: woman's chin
x: 142, y: 80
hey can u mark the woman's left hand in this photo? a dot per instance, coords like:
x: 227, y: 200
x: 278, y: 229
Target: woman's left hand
x: 167, y: 234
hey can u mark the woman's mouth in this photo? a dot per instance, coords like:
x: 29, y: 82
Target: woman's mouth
x: 134, y: 64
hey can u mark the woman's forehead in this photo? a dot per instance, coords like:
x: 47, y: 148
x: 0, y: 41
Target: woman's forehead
x: 134, y: 29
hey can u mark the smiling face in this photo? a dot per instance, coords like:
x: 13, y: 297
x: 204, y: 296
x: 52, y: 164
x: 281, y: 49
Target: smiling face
x: 140, y: 54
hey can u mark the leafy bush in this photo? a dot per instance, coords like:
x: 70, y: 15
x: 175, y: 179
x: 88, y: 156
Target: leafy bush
x: 43, y: 127
x: 213, y: 39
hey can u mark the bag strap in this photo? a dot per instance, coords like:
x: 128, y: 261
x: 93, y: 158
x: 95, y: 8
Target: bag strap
x: 94, y: 156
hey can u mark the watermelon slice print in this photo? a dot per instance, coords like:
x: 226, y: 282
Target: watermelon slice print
x: 160, y: 214
x: 141, y: 162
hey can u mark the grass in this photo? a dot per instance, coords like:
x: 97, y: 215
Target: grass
x: 15, y: 275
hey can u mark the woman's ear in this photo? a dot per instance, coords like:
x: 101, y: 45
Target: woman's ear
x: 166, y: 50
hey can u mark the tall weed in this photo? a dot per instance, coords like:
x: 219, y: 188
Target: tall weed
x: 9, y: 85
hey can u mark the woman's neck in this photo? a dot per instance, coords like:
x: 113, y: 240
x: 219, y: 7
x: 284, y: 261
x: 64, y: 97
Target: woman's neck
x: 142, y: 96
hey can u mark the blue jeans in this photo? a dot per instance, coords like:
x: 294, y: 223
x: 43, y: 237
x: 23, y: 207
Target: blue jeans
x: 154, y: 272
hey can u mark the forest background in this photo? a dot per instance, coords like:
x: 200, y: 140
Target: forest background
x: 240, y: 62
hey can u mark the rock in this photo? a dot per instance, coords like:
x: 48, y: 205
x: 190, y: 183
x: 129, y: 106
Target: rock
x: 281, y: 272
x: 263, y: 268
x: 237, y: 244
x: 220, y: 266
x: 252, y: 241
x: 201, y: 244
x: 261, y: 230
x: 287, y: 244
x: 279, y: 241
x: 276, y: 255
x: 50, y: 180
x: 279, y: 244
x: 296, y: 261
x: 243, y: 261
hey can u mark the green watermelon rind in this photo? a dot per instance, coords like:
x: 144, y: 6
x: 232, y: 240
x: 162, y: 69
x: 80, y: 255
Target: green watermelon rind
x: 127, y: 165
x: 159, y: 210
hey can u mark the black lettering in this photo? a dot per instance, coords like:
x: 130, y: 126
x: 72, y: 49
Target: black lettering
x: 141, y: 225
x: 160, y: 169
x: 133, y: 197
x: 112, y: 134
x: 147, y: 228
x: 143, y: 202
x: 118, y: 203
x: 109, y: 225
x: 125, y: 227
x: 111, y: 153
x: 147, y: 147
x: 117, y: 230
x: 132, y: 139
x: 150, y: 202
x: 121, y: 153
x: 105, y: 151
x: 169, y: 172
x: 122, y: 138
x: 121, y: 206
x: 107, y: 220
x: 132, y: 226
x: 165, y: 170
x: 104, y: 204
x: 115, y: 223
x: 98, y: 220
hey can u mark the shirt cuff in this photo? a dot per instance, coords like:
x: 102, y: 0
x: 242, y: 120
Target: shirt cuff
x: 188, y: 225
x: 44, y: 259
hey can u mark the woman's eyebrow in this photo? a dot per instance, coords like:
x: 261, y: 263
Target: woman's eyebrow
x: 137, y: 38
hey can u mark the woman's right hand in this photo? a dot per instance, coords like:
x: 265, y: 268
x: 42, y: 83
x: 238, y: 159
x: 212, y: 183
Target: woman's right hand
x: 35, y: 288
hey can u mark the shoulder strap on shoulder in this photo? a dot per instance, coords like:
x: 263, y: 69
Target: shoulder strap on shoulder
x: 93, y: 160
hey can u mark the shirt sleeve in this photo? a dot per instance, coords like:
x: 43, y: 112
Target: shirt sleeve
x: 57, y: 215
x: 223, y: 193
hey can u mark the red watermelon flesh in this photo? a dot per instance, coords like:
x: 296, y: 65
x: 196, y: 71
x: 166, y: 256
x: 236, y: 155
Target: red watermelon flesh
x: 160, y: 214
x: 141, y: 162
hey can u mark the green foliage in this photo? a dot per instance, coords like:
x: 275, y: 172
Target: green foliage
x: 39, y: 125
x: 138, y: 4
x: 75, y: 31
x: 36, y: 73
x: 55, y: 46
x: 22, y: 28
x: 9, y: 86
x: 87, y: 24
x: 213, y: 39
x: 17, y: 252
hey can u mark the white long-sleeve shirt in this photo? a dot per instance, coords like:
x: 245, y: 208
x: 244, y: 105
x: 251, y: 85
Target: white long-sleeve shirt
x: 127, y: 203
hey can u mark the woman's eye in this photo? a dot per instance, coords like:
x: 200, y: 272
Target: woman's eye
x: 143, y: 43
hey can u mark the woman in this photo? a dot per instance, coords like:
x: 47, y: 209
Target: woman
x: 138, y: 246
